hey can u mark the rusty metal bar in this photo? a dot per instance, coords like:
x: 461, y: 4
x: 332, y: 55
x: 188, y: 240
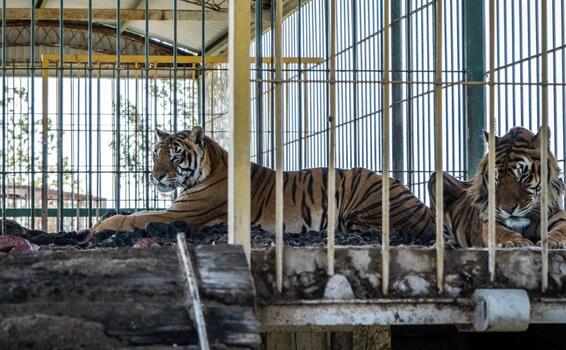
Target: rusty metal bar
x: 278, y: 48
x: 438, y: 158
x: 331, y: 137
x: 491, y: 145
x: 239, y: 156
x: 544, y: 148
x: 385, y: 148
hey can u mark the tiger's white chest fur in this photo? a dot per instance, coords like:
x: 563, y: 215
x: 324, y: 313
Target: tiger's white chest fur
x: 517, y: 223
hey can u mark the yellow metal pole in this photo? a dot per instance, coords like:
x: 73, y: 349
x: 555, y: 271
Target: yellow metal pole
x: 239, y: 160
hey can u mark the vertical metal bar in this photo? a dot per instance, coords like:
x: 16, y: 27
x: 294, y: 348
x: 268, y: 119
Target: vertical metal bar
x: 278, y: 119
x: 32, y: 111
x: 331, y: 137
x: 356, y: 138
x: 118, y: 102
x: 438, y: 156
x: 202, y: 91
x: 544, y: 148
x: 259, y: 84
x: 491, y: 145
x: 60, y: 203
x: 147, y: 69
x: 299, y: 86
x: 175, y: 65
x: 409, y: 92
x: 44, y: 143
x: 4, y: 103
x: 239, y: 159
x: 386, y: 137
x: 90, y: 67
x: 398, y: 126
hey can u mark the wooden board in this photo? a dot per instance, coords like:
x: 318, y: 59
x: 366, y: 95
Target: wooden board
x: 111, y: 298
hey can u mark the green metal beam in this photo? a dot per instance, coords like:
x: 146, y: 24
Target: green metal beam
x: 67, y: 212
x: 397, y: 134
x: 474, y: 95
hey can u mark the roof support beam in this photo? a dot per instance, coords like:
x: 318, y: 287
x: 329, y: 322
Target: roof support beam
x: 80, y: 14
x: 126, y: 24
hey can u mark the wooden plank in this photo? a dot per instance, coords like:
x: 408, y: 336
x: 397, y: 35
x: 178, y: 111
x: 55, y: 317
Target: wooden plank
x: 304, y: 341
x: 286, y: 341
x: 372, y: 338
x: 116, y: 298
x: 224, y: 275
x: 319, y: 340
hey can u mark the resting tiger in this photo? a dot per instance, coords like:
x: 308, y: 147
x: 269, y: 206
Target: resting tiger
x: 197, y: 164
x: 518, y: 189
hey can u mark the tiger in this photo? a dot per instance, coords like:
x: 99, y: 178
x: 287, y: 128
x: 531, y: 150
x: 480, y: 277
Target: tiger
x: 196, y: 164
x: 518, y: 196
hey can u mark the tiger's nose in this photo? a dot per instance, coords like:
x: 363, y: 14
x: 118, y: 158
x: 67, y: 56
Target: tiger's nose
x: 510, y: 209
x: 159, y: 177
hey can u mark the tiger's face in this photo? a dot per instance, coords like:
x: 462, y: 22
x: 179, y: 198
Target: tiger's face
x: 517, y: 179
x: 179, y: 160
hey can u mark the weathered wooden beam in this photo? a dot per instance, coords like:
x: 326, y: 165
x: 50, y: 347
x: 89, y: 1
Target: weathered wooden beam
x: 118, y: 298
x: 80, y: 14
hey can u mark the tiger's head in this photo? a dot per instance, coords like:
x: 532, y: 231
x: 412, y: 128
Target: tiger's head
x: 180, y: 159
x: 517, y: 179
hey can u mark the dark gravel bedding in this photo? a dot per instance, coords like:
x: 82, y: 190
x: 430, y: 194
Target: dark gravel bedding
x: 165, y: 234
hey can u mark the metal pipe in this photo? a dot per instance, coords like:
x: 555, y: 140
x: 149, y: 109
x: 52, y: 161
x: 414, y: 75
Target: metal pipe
x: 202, y: 98
x: 44, y: 142
x: 259, y: 84
x: 491, y: 146
x: 32, y: 111
x: 146, y: 78
x: 239, y: 157
x: 60, y: 199
x: 4, y: 102
x: 331, y: 137
x: 398, y: 147
x: 386, y: 147
x: 544, y: 149
x: 438, y: 156
x: 90, y: 68
x: 279, y: 152
x: 175, y: 102
x: 118, y: 101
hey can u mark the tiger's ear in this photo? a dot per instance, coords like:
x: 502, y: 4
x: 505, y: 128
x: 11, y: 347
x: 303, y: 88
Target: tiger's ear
x: 161, y: 134
x: 538, y: 137
x: 197, y: 135
x: 486, y: 137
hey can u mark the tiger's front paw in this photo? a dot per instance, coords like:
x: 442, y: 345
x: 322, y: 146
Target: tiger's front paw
x: 114, y: 223
x: 516, y: 242
x: 556, y: 240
